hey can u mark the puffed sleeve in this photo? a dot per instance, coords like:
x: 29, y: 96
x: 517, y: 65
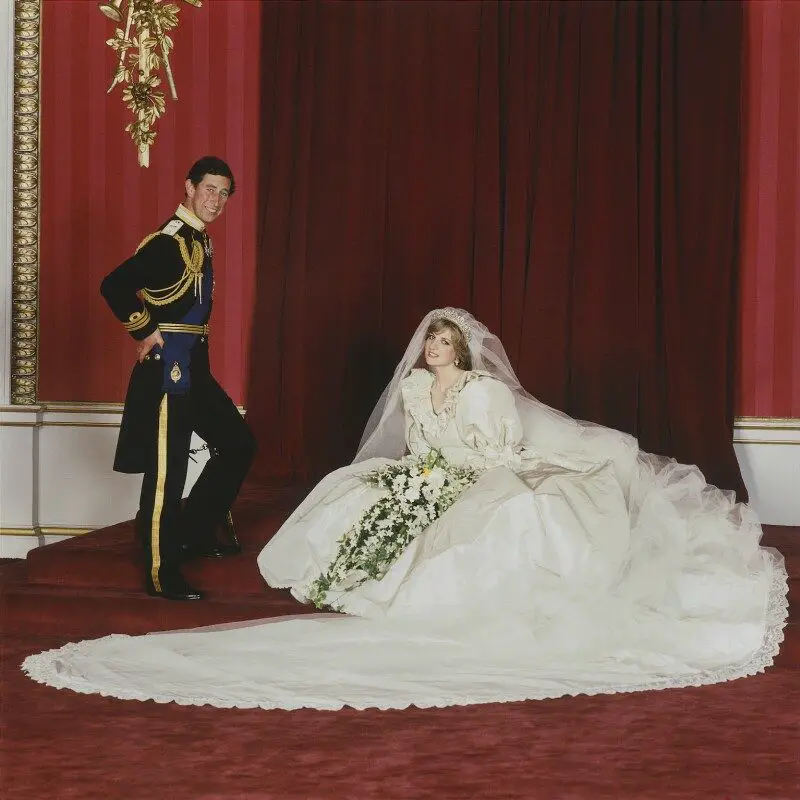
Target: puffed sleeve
x: 145, y: 268
x: 489, y: 424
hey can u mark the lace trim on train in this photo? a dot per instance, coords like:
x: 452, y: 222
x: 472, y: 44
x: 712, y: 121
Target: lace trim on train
x: 50, y: 667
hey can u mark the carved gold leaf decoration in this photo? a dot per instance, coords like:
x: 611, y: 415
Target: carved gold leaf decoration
x: 143, y: 49
x: 25, y: 208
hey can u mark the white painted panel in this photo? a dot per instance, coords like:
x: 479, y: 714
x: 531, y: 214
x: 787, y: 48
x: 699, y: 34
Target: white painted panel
x: 771, y: 473
x: 77, y: 485
x: 17, y: 483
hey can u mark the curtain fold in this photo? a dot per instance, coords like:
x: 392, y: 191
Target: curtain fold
x: 568, y: 171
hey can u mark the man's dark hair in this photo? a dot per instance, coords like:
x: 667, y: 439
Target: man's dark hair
x: 210, y: 165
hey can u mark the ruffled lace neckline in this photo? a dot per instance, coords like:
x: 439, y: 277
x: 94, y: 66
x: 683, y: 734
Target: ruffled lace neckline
x: 450, y: 394
x: 420, y: 402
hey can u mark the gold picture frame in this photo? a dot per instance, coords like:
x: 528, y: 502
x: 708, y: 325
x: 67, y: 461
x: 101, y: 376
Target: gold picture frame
x: 25, y: 204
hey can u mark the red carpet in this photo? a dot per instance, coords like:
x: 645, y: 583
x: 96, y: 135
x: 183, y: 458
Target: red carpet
x: 734, y: 740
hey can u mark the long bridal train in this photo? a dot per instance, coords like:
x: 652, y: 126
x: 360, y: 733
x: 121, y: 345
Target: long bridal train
x: 576, y: 564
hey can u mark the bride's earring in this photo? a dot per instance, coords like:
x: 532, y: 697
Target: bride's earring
x: 457, y: 362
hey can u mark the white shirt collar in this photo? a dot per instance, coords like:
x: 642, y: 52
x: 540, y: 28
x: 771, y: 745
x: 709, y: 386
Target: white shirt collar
x: 189, y: 218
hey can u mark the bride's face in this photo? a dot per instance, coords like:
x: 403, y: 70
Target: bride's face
x: 439, y: 350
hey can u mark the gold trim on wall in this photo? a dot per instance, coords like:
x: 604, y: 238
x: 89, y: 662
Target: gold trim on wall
x: 25, y: 204
x: 63, y: 424
x: 78, y: 407
x: 87, y: 407
x: 767, y: 423
x: 45, y: 531
x: 767, y: 441
x: 7, y: 414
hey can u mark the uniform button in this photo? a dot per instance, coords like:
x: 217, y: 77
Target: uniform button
x: 202, y: 338
x: 156, y: 356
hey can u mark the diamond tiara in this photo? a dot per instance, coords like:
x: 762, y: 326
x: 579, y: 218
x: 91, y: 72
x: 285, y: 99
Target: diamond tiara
x: 456, y: 317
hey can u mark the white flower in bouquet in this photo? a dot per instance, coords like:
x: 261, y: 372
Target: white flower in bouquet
x: 412, y: 493
x: 436, y: 479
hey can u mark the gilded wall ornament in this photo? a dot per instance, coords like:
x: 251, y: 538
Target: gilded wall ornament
x: 143, y: 47
x: 25, y: 205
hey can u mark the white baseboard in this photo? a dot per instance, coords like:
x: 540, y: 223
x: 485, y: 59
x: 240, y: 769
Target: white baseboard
x: 56, y: 478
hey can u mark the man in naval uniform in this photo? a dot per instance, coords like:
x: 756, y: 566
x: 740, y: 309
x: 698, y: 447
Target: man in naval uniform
x: 163, y: 296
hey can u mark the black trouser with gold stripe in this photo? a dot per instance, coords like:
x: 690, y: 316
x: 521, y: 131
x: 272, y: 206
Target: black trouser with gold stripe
x: 163, y: 527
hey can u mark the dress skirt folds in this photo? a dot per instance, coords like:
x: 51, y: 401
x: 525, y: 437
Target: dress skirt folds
x: 555, y: 573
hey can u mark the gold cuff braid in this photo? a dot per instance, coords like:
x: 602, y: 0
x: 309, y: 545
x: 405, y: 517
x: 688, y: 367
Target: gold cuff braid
x: 137, y: 321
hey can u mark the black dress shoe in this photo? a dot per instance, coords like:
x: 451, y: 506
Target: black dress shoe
x: 173, y: 587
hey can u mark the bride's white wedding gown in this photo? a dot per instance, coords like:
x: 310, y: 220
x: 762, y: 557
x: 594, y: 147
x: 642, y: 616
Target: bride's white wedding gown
x: 552, y: 575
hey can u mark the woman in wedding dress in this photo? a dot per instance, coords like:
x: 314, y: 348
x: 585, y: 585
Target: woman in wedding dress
x: 572, y: 563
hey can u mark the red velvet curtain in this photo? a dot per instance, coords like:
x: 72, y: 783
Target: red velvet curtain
x: 568, y: 171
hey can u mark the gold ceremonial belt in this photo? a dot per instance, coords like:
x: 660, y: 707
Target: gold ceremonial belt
x: 177, y: 327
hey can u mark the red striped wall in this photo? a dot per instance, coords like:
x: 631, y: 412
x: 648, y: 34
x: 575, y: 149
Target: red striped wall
x: 97, y: 203
x: 769, y: 346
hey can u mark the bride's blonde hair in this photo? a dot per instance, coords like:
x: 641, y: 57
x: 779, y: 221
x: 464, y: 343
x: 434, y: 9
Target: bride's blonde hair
x: 459, y: 340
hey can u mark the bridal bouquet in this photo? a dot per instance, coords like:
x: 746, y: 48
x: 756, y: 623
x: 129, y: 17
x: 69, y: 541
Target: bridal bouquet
x: 420, y: 490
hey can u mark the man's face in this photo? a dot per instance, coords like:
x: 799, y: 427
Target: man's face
x: 208, y: 198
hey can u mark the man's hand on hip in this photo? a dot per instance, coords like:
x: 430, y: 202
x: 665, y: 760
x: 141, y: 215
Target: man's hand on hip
x: 146, y: 345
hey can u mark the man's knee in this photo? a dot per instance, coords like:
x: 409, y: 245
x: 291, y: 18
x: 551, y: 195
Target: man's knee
x: 241, y: 447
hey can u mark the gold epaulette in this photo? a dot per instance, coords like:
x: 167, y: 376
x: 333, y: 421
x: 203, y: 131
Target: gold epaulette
x: 147, y: 239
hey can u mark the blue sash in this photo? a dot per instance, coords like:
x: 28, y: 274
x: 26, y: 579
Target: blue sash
x: 176, y: 353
